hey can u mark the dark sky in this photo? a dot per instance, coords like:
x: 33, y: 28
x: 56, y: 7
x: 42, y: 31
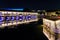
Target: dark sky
x: 32, y: 4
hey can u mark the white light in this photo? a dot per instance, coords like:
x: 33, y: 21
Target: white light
x: 10, y: 24
x: 5, y: 13
x: 14, y: 23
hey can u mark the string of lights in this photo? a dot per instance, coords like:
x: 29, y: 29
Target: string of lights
x: 8, y: 18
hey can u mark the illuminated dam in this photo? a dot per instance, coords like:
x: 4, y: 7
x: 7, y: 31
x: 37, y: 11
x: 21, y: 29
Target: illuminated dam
x: 8, y: 18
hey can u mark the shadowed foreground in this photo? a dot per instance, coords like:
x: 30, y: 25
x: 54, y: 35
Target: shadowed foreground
x: 32, y: 31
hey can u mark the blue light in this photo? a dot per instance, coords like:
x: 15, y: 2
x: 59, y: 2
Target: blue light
x: 17, y: 17
x: 12, y: 18
x: 0, y: 23
x: 34, y: 16
x: 1, y: 18
x: 7, y: 18
x: 17, y: 9
x: 21, y: 17
x: 28, y: 17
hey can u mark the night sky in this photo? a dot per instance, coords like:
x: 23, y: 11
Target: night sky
x: 32, y: 4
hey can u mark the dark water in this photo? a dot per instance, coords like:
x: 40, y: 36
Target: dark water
x: 25, y: 32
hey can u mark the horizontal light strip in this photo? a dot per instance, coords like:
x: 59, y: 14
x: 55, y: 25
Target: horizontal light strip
x: 9, y: 13
x: 17, y: 9
x: 16, y: 23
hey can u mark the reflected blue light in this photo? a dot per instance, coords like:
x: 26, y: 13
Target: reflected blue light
x: 0, y: 23
x: 21, y: 17
x: 7, y: 18
x: 17, y: 17
x: 1, y: 18
x: 34, y: 17
x: 12, y: 18
x: 28, y: 17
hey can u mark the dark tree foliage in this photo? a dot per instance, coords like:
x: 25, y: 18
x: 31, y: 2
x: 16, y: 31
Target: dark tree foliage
x: 27, y: 10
